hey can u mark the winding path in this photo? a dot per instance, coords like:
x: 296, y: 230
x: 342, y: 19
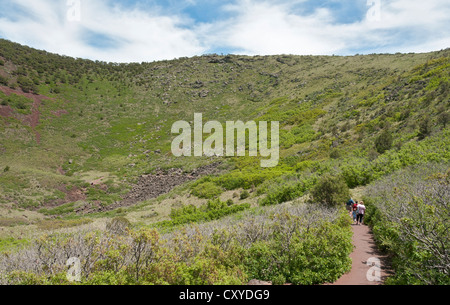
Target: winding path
x: 369, y: 266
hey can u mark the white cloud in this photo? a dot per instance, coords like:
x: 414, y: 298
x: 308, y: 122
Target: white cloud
x: 140, y: 36
x: 265, y: 28
x: 251, y: 27
x: 270, y: 27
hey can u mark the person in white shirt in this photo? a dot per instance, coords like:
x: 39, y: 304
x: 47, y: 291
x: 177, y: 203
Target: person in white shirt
x: 361, y: 210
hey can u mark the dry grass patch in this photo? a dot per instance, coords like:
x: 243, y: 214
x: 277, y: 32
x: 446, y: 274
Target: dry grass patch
x: 55, y: 224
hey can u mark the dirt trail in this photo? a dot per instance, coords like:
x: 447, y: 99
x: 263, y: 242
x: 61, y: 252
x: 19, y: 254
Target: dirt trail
x: 32, y: 119
x: 369, y: 266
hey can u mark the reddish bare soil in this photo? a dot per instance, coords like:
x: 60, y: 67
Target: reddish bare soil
x: 31, y: 120
x: 6, y: 111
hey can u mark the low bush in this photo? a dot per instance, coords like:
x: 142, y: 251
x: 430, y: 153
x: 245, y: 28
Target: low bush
x: 214, y: 209
x: 360, y: 171
x: 244, y: 195
x: 3, y: 81
x: 286, y: 189
x: 330, y: 190
x: 302, y: 254
x: 297, y: 244
x: 384, y: 141
x: 249, y: 177
x: 207, y: 190
x: 60, y: 210
x: 118, y: 225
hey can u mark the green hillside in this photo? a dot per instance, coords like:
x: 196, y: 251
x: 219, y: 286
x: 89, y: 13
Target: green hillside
x: 82, y: 142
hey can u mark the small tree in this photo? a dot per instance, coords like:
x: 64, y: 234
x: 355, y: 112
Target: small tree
x: 424, y: 128
x: 3, y: 80
x: 443, y: 118
x: 330, y: 190
x: 384, y: 141
x: 244, y: 195
x: 118, y: 225
x: 144, y: 247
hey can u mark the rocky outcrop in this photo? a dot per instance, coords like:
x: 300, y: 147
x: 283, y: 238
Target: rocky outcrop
x: 162, y: 182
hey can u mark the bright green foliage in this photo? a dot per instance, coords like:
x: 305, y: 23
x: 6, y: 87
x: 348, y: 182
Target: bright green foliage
x: 249, y: 177
x: 21, y: 104
x: 305, y: 256
x: 214, y: 209
x: 282, y: 191
x: 10, y: 243
x: 207, y: 190
x: 361, y: 171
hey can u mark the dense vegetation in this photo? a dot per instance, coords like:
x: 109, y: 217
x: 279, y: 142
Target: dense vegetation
x: 299, y: 244
x: 409, y: 214
x: 76, y: 136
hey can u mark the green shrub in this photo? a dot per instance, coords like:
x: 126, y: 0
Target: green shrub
x: 105, y: 197
x: 11, y: 243
x: 384, y: 141
x: 26, y: 84
x: 118, y: 225
x: 335, y: 153
x: 330, y: 190
x: 409, y: 215
x: 298, y: 256
x: 3, y: 80
x: 244, y: 195
x: 360, y: 171
x: 60, y: 210
x: 286, y: 190
x: 424, y: 128
x: 214, y: 209
x: 249, y: 177
x: 278, y: 248
x: 207, y: 190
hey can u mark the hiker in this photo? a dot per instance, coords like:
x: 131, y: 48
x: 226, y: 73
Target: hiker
x: 355, y: 210
x: 349, y: 205
x: 361, y: 210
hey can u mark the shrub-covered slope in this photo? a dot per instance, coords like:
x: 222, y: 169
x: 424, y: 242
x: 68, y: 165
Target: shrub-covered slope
x: 82, y: 142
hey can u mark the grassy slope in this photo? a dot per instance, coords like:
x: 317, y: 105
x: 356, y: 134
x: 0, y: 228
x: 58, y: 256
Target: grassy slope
x: 115, y: 117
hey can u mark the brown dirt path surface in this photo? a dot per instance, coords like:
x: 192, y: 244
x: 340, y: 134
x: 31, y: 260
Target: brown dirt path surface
x: 366, y: 260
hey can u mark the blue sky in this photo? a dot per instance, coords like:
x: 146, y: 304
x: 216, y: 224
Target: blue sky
x: 148, y: 30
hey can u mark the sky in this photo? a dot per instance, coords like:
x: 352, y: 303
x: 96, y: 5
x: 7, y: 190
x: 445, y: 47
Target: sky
x: 150, y: 30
